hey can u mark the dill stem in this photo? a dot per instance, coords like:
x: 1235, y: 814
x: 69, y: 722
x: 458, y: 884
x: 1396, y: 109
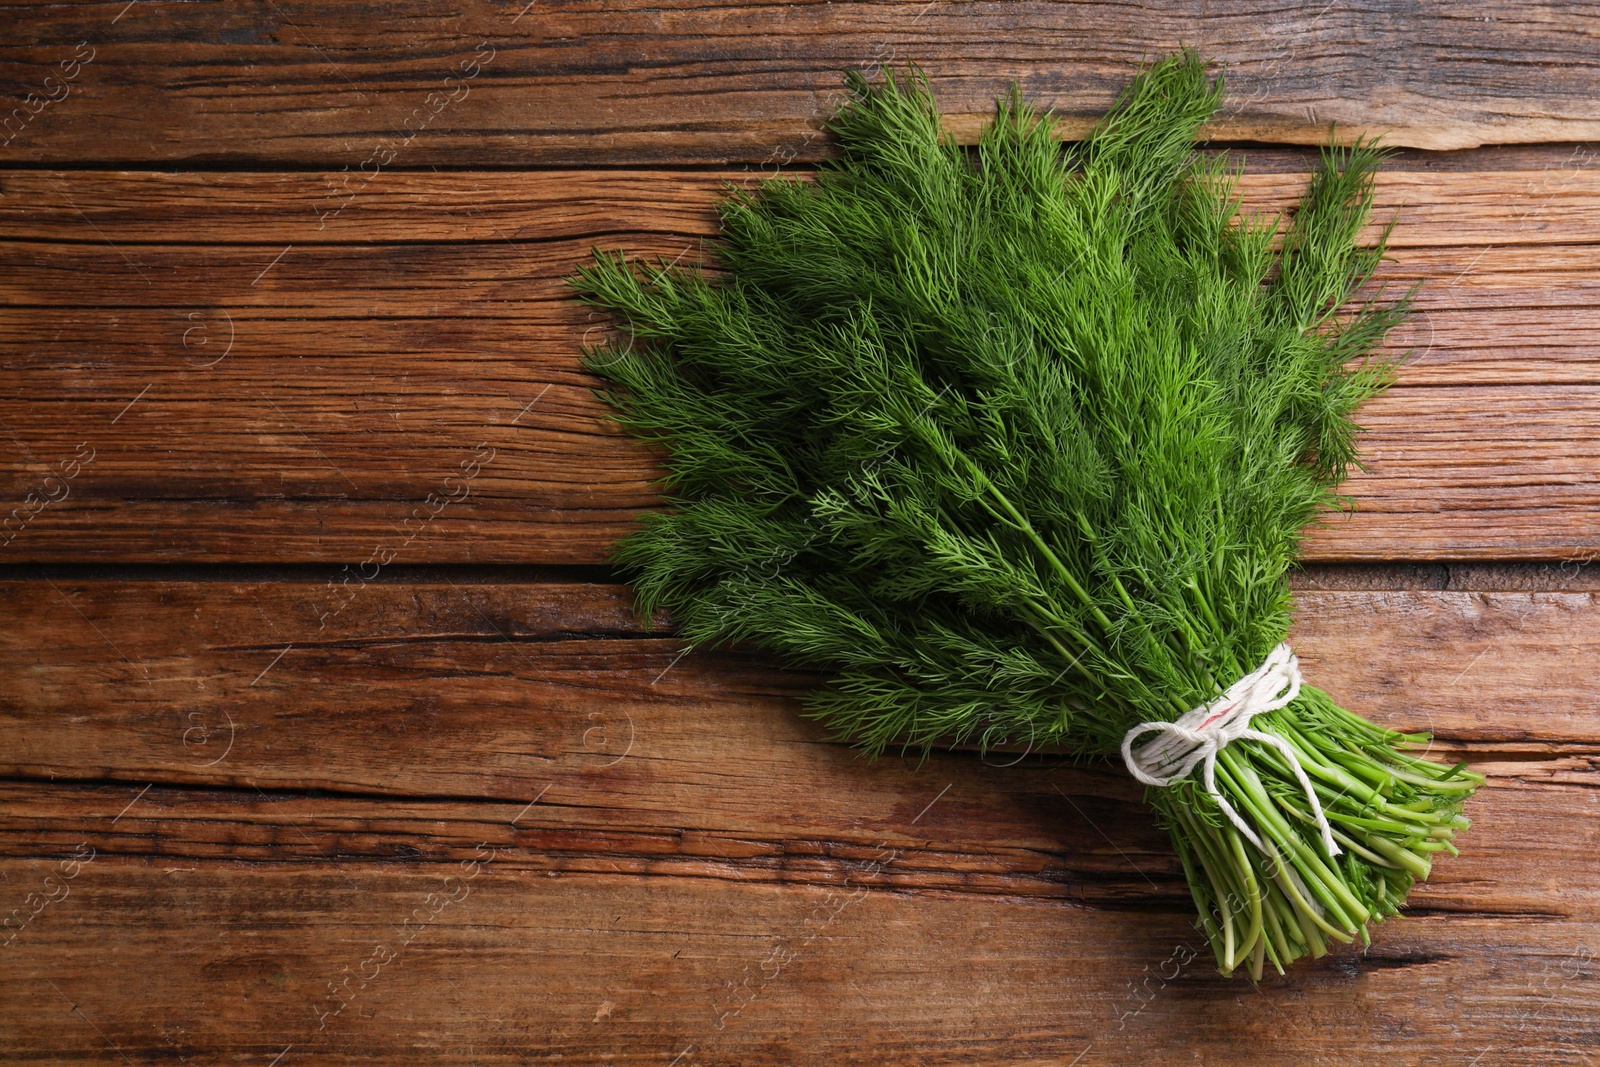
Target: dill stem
x: 1324, y: 882
x: 1252, y: 889
x: 1026, y: 528
x: 1221, y: 889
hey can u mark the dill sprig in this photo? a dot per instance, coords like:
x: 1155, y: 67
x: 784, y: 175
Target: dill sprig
x: 1020, y: 441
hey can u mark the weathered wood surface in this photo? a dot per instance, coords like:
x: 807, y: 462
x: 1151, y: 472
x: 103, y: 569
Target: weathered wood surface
x: 515, y: 82
x: 262, y: 374
x: 459, y: 687
x: 610, y: 853
x: 470, y: 814
x: 607, y: 968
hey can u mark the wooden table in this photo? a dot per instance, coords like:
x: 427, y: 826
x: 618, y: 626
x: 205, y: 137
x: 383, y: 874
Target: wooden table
x: 313, y: 757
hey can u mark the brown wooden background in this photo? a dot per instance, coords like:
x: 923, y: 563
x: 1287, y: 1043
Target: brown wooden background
x: 313, y: 756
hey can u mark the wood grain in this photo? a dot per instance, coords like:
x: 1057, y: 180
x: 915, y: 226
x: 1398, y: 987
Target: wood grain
x: 670, y: 861
x: 509, y: 691
x: 275, y: 295
x: 611, y: 968
x: 363, y: 356
x: 1072, y: 834
x: 481, y: 83
x: 108, y: 676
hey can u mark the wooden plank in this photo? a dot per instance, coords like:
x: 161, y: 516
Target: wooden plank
x: 742, y: 810
x: 669, y: 858
x: 586, y: 82
x: 340, y: 961
x: 1539, y: 195
x: 471, y: 688
x: 1044, y: 831
x: 364, y: 362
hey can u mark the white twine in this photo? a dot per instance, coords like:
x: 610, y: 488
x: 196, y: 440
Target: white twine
x: 1201, y: 734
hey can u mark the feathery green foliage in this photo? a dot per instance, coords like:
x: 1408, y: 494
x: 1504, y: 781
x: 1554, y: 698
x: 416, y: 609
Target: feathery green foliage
x: 1020, y: 442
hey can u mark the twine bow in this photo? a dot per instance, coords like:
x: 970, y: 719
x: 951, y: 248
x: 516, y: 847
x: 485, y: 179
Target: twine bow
x: 1200, y: 734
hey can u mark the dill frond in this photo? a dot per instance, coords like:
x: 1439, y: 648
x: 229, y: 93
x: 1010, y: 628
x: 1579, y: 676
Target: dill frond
x: 1021, y: 440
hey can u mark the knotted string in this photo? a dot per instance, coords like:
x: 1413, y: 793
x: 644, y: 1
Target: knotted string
x: 1200, y: 734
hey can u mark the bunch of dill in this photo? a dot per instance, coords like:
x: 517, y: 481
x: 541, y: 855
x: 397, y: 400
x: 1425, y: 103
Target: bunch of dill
x: 1021, y: 442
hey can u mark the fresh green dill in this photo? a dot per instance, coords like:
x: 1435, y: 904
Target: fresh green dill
x: 1020, y: 441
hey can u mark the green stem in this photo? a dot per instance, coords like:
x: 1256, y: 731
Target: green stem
x: 1328, y: 886
x: 1026, y: 528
